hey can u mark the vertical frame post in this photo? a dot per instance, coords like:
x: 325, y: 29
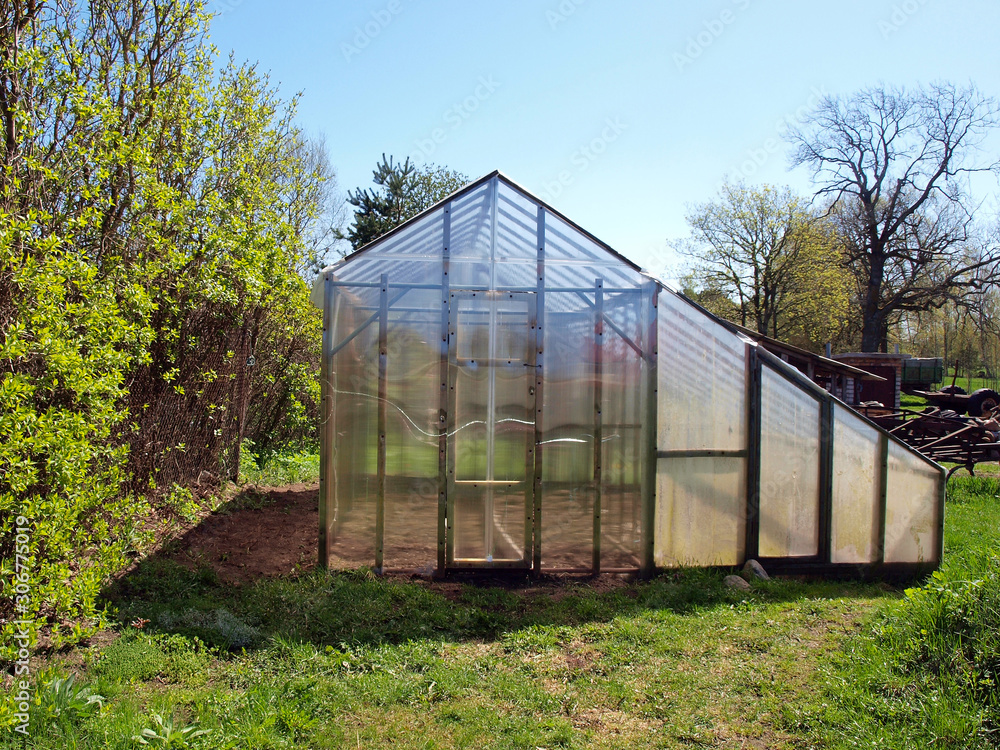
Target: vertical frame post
x: 530, y: 439
x: 383, y: 394
x: 883, y: 494
x: 598, y: 431
x: 753, y: 454
x: 826, y: 480
x: 451, y: 426
x: 536, y: 553
x: 941, y: 495
x: 650, y: 290
x: 442, y: 528
x: 327, y: 435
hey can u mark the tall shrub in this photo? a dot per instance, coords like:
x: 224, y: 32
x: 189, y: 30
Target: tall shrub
x: 151, y: 309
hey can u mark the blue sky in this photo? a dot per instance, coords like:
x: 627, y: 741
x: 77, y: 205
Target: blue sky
x: 619, y: 114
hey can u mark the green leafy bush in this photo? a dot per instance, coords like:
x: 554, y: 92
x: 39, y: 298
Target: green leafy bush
x: 950, y: 627
x: 154, y: 220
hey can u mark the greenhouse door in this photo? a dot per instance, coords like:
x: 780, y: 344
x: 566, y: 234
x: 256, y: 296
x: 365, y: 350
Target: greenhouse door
x: 491, y: 429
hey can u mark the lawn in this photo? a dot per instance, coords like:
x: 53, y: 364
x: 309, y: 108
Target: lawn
x: 315, y: 660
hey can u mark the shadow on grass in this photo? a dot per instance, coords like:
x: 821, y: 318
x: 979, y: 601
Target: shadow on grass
x: 189, y: 587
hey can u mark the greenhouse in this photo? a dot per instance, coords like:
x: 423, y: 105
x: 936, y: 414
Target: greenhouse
x: 501, y: 389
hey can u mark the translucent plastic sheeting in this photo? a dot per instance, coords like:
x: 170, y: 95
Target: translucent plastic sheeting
x: 622, y: 456
x: 569, y: 421
x: 413, y: 403
x: 472, y: 224
x: 517, y: 227
x: 493, y: 245
x: 412, y: 254
x: 789, y: 469
x: 856, y: 484
x: 515, y: 275
x: 572, y: 259
x: 700, y: 511
x: 470, y: 274
x: 567, y: 440
x: 567, y: 417
x: 567, y: 525
x: 702, y: 378
x: 354, y: 411
x: 489, y: 521
x: 912, y: 507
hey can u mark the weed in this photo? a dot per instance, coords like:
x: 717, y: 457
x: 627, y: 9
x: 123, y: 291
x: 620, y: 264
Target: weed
x: 169, y: 734
x: 63, y: 702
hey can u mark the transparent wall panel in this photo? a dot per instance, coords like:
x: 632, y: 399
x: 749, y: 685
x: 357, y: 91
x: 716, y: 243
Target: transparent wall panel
x: 622, y: 450
x: 789, y: 468
x: 411, y: 254
x: 517, y: 227
x: 354, y: 386
x: 702, y: 377
x: 856, y: 483
x: 912, y: 505
x: 413, y: 403
x: 470, y: 274
x: 567, y: 440
x: 482, y: 535
x: 472, y: 224
x: 576, y: 258
x: 515, y: 275
x: 423, y: 237
x: 368, y: 268
x: 700, y: 511
x: 567, y: 524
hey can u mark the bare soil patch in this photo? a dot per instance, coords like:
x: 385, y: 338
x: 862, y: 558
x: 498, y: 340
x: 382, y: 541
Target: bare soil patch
x: 263, y: 533
x: 274, y: 532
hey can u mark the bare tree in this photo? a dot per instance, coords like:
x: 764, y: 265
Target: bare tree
x: 894, y: 166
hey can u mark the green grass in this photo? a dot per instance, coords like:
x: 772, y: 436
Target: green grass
x: 354, y: 660
x: 924, y: 671
x: 278, y: 468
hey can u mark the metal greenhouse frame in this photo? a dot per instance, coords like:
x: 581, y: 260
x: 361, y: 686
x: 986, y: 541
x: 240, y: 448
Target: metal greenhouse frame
x: 501, y: 389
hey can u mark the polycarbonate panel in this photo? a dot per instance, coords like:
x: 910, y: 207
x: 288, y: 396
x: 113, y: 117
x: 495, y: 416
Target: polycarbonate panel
x: 855, y: 488
x: 567, y: 523
x: 566, y: 245
x: 413, y: 403
x: 472, y: 224
x: 517, y: 227
x: 515, y: 275
x: 354, y: 411
x: 702, y: 380
x: 622, y: 453
x: 568, y: 400
x: 912, y: 506
x: 470, y: 274
x: 700, y: 511
x: 369, y: 270
x: 489, y: 521
x: 423, y: 238
x: 789, y: 468
x: 567, y: 441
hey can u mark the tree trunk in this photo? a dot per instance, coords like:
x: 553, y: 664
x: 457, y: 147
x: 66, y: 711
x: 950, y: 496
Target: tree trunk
x: 873, y: 327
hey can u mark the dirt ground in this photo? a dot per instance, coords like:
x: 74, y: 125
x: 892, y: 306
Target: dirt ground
x: 259, y: 534
x: 274, y: 532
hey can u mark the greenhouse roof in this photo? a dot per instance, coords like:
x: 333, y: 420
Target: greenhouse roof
x: 494, y: 244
